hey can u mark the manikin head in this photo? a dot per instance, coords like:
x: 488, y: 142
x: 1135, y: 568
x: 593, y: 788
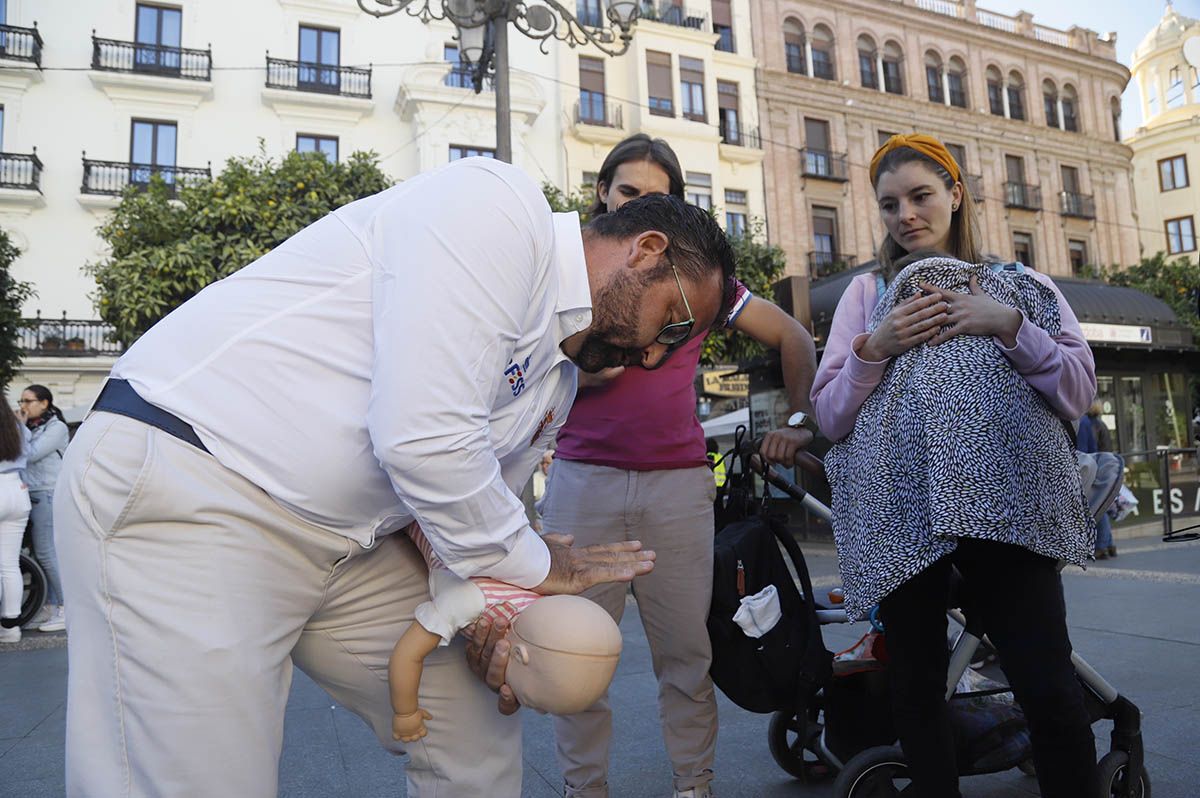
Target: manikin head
x: 564, y: 652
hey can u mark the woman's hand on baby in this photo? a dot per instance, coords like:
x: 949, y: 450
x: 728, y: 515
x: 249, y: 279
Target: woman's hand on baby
x: 911, y: 323
x: 976, y: 313
x: 411, y: 727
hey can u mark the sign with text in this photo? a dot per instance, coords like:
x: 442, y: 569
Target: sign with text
x: 1183, y: 498
x: 1117, y: 333
x: 726, y: 383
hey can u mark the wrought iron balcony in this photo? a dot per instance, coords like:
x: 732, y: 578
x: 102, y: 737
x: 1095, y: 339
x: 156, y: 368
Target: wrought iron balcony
x: 669, y: 13
x: 1081, y: 206
x: 65, y: 337
x: 740, y: 135
x: 321, y: 78
x: 823, y: 264
x: 1023, y: 195
x: 110, y: 55
x: 113, y: 177
x: 21, y: 171
x: 598, y: 111
x: 21, y: 44
x: 460, y: 77
x: 823, y: 164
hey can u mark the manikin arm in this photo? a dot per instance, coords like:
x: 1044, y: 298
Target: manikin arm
x: 404, y: 680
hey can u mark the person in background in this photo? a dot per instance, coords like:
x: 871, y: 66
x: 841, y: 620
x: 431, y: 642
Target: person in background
x: 1094, y: 432
x: 48, y: 441
x: 716, y: 461
x: 14, y: 514
x: 630, y: 463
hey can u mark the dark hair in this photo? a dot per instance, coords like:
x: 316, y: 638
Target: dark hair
x: 638, y: 147
x: 12, y: 439
x: 964, y: 229
x: 710, y: 445
x: 696, y: 244
x: 42, y: 393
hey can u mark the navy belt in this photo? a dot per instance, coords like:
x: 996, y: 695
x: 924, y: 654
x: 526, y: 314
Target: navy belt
x: 119, y: 397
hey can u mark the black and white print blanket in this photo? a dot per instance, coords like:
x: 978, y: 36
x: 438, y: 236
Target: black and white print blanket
x: 953, y: 443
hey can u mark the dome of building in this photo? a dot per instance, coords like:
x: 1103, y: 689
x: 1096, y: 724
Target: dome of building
x: 1169, y: 30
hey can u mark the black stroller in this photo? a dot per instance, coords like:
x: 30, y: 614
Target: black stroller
x: 845, y: 727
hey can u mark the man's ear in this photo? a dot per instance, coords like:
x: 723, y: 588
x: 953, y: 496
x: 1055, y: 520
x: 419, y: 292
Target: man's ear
x: 648, y: 249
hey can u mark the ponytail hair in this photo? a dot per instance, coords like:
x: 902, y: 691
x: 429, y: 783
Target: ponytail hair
x: 43, y: 395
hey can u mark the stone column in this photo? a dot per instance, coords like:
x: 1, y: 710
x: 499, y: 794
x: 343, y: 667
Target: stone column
x: 1004, y: 96
x: 945, y: 72
x: 879, y: 70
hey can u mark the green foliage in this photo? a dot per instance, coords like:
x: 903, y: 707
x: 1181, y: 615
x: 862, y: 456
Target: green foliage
x: 759, y: 266
x: 579, y: 199
x: 1176, y: 282
x: 164, y: 250
x: 13, y: 294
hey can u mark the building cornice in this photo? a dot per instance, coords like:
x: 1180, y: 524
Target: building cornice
x: 18, y: 76
x: 308, y: 106
x: 423, y: 85
x: 20, y: 200
x: 126, y: 87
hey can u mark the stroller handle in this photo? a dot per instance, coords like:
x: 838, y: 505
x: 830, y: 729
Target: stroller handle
x: 805, y: 460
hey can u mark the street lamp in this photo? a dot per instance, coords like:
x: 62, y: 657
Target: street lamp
x: 483, y: 36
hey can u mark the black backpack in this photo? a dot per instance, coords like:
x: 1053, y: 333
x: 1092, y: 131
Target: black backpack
x: 782, y: 669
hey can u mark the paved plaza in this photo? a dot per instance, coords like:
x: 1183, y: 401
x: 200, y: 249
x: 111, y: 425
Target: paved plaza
x: 1133, y: 618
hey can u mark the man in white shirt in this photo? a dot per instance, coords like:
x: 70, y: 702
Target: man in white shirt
x: 228, y: 509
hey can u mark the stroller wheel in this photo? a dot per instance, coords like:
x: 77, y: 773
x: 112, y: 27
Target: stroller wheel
x: 1114, y: 777
x: 787, y: 747
x: 1027, y: 767
x: 879, y: 772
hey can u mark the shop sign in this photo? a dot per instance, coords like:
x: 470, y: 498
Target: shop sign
x: 726, y: 383
x: 1117, y: 333
x: 1183, y: 499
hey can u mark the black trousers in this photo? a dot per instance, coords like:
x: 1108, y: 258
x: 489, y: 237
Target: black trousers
x: 1020, y: 598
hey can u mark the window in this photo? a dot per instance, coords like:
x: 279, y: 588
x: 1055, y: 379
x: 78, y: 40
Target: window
x: 1181, y: 235
x: 956, y: 74
x: 459, y: 76
x: 1114, y: 108
x: 816, y: 148
x: 157, y: 30
x: 1, y: 116
x: 893, y: 76
x: 1016, y: 96
x: 793, y: 46
x: 1070, y: 113
x: 735, y: 212
x: 326, y: 145
x: 722, y: 17
x: 658, y: 78
x: 590, y: 13
x: 319, y: 47
x: 883, y: 135
x: 151, y: 148
x: 1050, y: 102
x: 1175, y: 95
x: 460, y: 151
x: 933, y: 77
x: 727, y: 107
x: 995, y: 90
x: 822, y: 53
x: 1023, y: 249
x: 1016, y: 193
x: 591, y: 91
x: 1172, y: 173
x: 825, y: 247
x: 589, y: 181
x: 691, y: 88
x: 867, y: 73
x: 1077, y: 251
x: 959, y: 152
x: 1070, y: 179
x: 699, y: 189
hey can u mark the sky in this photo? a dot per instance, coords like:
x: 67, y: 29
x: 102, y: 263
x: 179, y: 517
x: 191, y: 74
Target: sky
x: 1131, y: 19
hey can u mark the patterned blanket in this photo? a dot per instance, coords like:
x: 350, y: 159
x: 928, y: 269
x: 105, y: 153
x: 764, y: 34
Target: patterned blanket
x: 954, y: 443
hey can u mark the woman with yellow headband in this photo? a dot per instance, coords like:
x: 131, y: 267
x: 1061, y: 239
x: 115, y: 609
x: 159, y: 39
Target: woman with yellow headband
x: 906, y: 565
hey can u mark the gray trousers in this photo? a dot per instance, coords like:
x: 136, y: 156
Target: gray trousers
x: 190, y: 593
x: 671, y: 513
x: 42, y: 517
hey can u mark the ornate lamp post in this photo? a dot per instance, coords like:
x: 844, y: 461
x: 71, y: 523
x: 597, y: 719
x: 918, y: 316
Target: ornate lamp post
x: 483, y: 36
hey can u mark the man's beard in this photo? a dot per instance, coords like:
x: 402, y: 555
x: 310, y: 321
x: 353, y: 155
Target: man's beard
x: 614, y: 325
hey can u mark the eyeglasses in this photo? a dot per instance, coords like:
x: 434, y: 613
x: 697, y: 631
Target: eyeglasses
x: 31, y: 401
x: 677, y: 332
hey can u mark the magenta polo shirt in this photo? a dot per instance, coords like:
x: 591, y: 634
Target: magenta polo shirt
x: 643, y: 420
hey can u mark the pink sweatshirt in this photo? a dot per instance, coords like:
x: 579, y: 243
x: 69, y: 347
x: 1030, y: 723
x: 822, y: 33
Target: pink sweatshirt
x: 1060, y: 368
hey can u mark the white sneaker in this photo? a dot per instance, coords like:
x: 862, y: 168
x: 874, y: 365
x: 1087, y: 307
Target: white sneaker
x: 703, y: 791
x: 39, y: 618
x: 12, y: 635
x: 57, y: 622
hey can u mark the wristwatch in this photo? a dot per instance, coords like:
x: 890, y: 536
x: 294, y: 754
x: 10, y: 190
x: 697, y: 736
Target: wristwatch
x: 800, y: 420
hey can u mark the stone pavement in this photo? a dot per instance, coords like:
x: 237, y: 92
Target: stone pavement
x: 1133, y: 618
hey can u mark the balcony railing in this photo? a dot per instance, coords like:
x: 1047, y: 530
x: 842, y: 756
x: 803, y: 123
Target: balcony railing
x: 740, y: 136
x: 1081, y: 206
x: 1023, y: 195
x: 322, y: 78
x: 975, y: 187
x: 113, y: 177
x: 65, y: 337
x: 599, y: 112
x: 21, y: 44
x: 110, y: 55
x: 460, y: 77
x: 823, y: 164
x: 20, y: 171
x: 670, y: 14
x: 822, y: 264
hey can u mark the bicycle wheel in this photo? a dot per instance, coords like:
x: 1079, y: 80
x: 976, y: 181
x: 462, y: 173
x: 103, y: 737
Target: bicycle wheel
x: 33, y: 578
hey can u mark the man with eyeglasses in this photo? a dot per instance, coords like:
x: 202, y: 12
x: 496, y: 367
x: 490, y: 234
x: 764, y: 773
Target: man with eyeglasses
x: 228, y: 507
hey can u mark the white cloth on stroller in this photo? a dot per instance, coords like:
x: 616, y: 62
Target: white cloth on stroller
x: 759, y: 613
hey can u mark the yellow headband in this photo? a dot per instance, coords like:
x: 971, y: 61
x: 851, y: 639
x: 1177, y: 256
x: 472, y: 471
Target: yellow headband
x: 926, y: 145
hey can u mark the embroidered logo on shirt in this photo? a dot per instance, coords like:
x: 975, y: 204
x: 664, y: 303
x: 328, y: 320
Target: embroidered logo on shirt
x: 541, y: 427
x: 516, y: 375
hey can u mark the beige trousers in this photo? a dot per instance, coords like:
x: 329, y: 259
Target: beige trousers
x: 671, y: 513
x: 190, y: 594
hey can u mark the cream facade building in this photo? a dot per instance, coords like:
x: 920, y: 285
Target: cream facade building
x: 96, y: 95
x: 1031, y: 112
x: 1166, y: 148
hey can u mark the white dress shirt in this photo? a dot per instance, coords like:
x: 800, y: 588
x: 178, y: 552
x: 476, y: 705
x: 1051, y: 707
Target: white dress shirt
x: 398, y: 359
